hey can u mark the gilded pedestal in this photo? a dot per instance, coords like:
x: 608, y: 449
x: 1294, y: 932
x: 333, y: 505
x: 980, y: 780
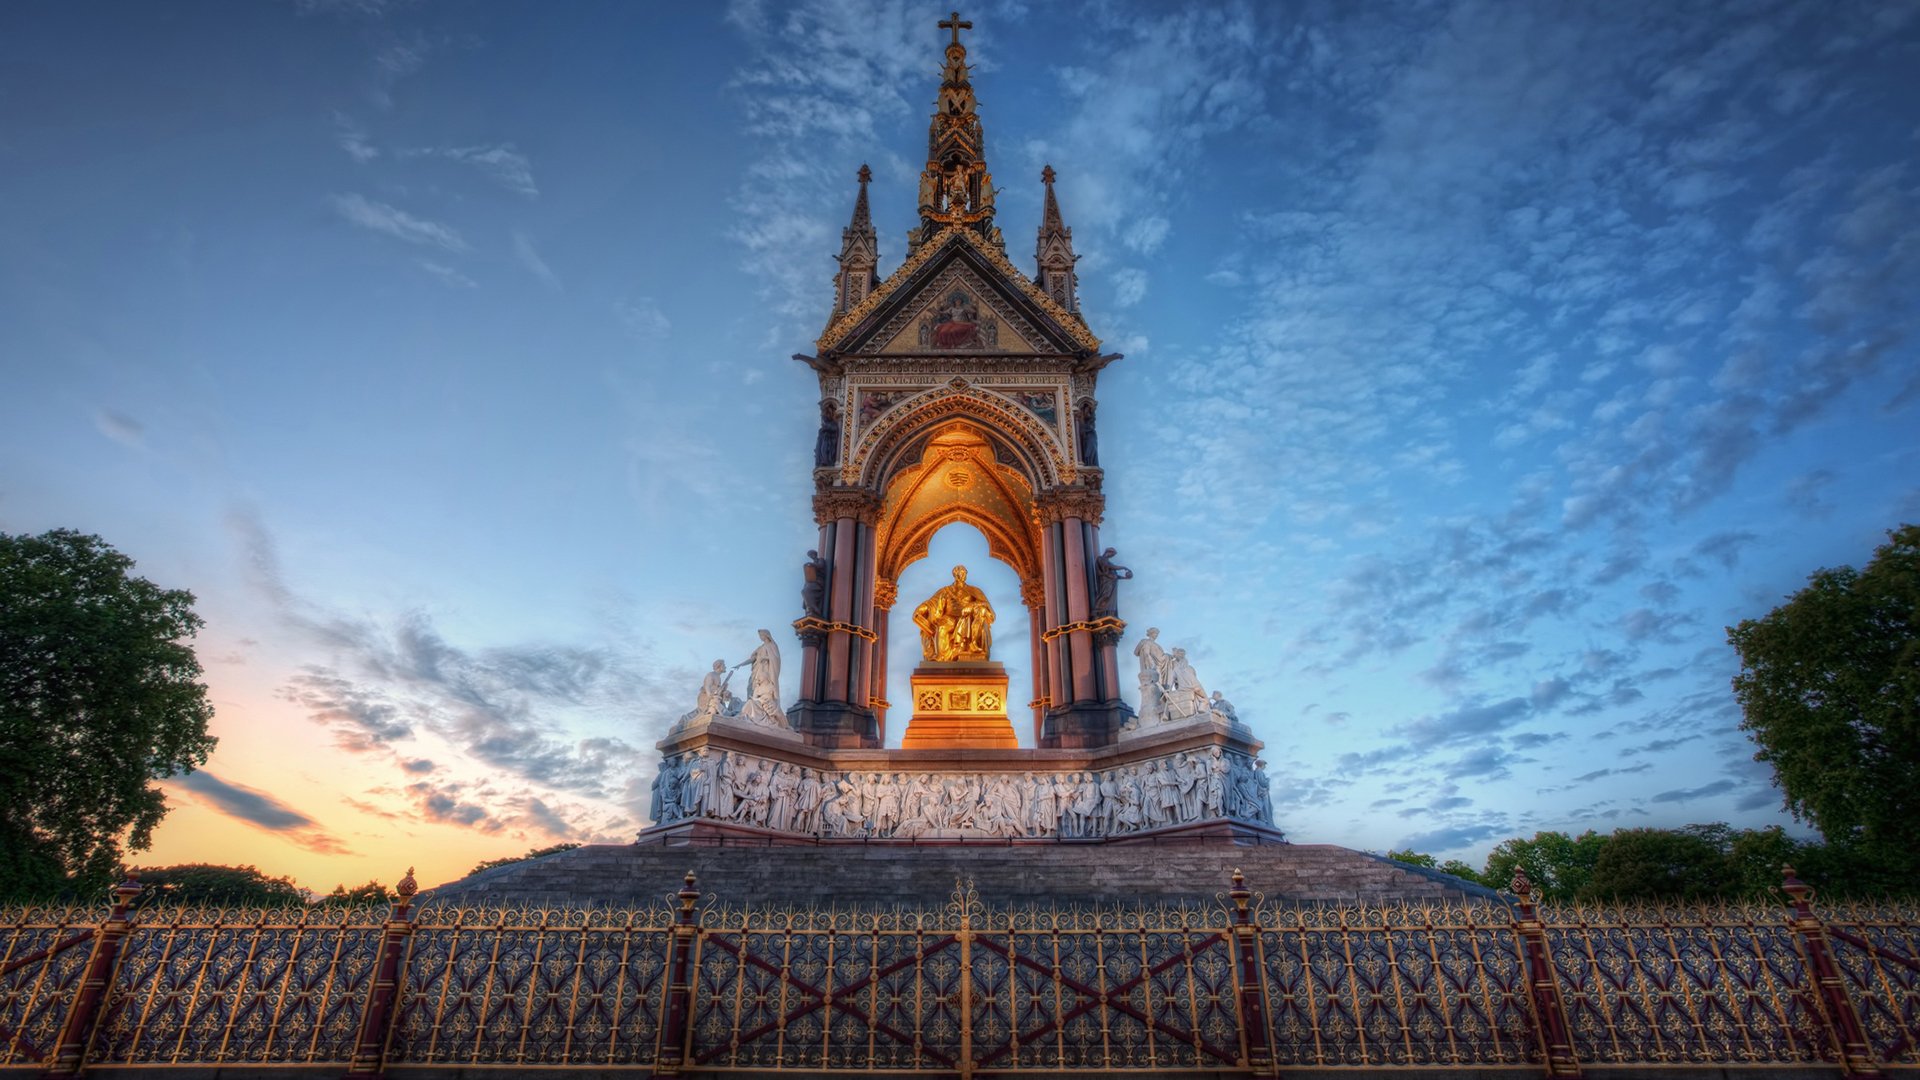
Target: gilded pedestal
x: 960, y: 704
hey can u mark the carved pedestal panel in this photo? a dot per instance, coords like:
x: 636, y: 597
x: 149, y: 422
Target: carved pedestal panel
x: 959, y: 705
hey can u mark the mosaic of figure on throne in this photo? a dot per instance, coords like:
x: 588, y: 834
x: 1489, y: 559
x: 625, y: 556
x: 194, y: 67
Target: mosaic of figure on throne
x: 1041, y: 403
x: 956, y: 323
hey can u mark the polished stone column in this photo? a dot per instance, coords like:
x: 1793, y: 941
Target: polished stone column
x: 834, y: 708
x: 1085, y: 708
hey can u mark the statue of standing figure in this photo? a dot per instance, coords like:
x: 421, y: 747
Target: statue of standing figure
x: 813, y: 589
x: 1085, y: 434
x: 826, y: 444
x: 1152, y: 659
x: 763, y: 685
x: 1106, y: 585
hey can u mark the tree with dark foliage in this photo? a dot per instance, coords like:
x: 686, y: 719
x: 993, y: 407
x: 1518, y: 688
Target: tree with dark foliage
x: 1830, y: 686
x: 99, y: 695
x: 215, y: 886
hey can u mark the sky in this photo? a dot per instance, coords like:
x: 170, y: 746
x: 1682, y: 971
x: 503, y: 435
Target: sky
x: 1484, y: 361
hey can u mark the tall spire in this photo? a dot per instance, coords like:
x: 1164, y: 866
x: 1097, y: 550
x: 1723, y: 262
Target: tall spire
x: 859, y: 254
x: 1053, y: 250
x: 956, y: 188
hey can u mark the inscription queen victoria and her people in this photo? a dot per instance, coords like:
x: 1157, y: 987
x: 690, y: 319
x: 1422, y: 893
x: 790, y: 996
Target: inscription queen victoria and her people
x: 959, y: 389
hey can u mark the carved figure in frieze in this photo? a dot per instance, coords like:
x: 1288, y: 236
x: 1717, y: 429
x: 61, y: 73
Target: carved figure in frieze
x: 1107, y: 576
x: 839, y: 811
x: 963, y: 802
x: 783, y: 788
x: 1084, y: 433
x: 753, y: 792
x: 1003, y: 799
x: 1239, y: 789
x: 1086, y: 805
x: 1126, y: 794
x: 886, y: 814
x: 665, y: 802
x: 1109, y: 788
x: 920, y: 810
x: 696, y: 778
x: 1193, y: 786
x: 806, y: 801
x: 1262, y: 793
x: 813, y: 587
x: 1163, y: 798
x: 1035, y: 791
x: 826, y: 442
x: 1216, y: 782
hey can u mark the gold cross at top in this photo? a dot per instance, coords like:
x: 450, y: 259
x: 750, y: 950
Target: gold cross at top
x: 954, y: 24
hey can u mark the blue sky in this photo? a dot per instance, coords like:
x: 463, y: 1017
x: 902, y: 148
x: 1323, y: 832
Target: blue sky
x: 1484, y: 361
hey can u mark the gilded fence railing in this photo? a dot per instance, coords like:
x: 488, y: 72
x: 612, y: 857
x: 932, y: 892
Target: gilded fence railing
x: 1236, y: 985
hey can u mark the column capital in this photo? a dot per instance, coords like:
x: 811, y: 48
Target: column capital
x: 1087, y: 504
x: 1033, y: 593
x: 856, y: 503
x: 885, y: 593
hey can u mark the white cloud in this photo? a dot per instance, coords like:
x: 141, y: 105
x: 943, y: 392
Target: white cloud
x: 523, y: 250
x: 447, y: 274
x: 397, y: 223
x: 502, y: 162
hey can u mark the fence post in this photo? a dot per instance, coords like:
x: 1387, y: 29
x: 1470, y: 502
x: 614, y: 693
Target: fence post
x: 1253, y: 1010
x: 69, y: 1054
x: 1543, y: 985
x: 679, y: 1001
x: 376, y: 1023
x: 1830, y: 990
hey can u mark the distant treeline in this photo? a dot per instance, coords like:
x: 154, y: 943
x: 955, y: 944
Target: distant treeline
x: 1688, y: 863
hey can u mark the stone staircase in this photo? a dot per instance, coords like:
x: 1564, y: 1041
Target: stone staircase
x: 884, y: 875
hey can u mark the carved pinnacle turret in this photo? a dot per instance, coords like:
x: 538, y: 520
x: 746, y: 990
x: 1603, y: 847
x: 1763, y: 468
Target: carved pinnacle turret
x: 859, y: 253
x: 1053, y: 250
x: 956, y: 188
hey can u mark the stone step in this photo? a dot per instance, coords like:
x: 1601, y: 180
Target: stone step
x: 882, y: 875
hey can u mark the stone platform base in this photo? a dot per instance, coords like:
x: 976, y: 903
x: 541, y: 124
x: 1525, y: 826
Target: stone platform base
x: 740, y: 869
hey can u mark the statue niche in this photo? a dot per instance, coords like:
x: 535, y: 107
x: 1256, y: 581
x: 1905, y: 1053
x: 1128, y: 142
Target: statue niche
x: 959, y: 694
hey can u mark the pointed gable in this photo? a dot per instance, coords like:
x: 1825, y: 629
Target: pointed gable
x: 957, y: 293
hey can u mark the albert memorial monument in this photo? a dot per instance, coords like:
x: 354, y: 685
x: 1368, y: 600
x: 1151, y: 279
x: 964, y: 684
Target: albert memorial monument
x: 959, y: 388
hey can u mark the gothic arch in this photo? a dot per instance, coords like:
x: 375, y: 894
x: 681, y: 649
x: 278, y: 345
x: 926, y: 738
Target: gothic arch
x: 956, y: 477
x: 879, y: 459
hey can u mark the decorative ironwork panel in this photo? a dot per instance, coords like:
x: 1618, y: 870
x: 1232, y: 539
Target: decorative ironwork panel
x: 1683, y: 985
x: 1878, y: 950
x: 1114, y: 989
x: 493, y: 986
x: 806, y: 989
x: 1401, y: 985
x: 240, y: 985
x: 967, y: 987
x: 43, y: 958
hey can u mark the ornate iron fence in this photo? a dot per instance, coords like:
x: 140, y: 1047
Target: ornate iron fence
x: 1233, y: 986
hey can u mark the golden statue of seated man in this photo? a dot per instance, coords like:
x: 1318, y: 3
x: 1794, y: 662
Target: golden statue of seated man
x: 956, y: 623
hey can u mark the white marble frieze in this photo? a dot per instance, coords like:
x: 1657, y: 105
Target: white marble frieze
x: 1209, y: 783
